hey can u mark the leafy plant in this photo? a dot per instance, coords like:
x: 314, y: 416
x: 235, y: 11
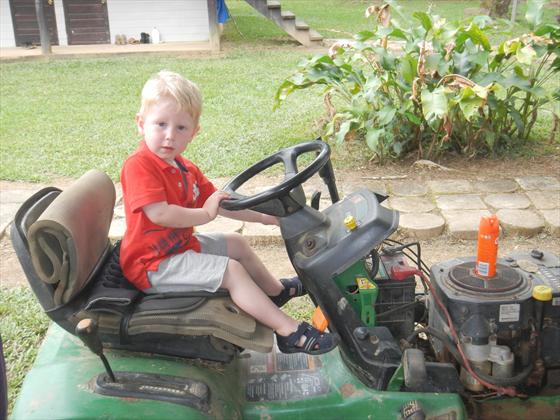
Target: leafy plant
x: 432, y: 85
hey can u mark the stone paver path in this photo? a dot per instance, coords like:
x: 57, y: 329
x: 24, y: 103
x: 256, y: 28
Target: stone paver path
x: 525, y: 206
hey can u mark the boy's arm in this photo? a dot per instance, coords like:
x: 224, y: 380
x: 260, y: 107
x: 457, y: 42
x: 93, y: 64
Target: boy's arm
x: 250, y: 216
x: 174, y: 216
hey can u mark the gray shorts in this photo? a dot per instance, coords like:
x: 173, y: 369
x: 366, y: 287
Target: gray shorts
x: 192, y: 271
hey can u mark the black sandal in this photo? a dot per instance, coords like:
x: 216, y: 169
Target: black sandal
x: 315, y: 343
x: 289, y: 285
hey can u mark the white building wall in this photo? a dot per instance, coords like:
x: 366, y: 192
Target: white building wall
x: 7, y: 36
x: 176, y: 20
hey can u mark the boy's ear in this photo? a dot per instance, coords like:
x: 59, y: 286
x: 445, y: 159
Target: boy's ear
x: 196, y: 130
x: 139, y: 123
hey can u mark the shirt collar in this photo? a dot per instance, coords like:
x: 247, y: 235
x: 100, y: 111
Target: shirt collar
x: 162, y: 164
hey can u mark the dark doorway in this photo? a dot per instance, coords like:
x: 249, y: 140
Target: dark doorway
x: 26, y: 28
x: 87, y: 22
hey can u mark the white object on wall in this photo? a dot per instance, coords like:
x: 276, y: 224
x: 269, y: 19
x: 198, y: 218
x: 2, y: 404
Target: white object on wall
x: 155, y: 36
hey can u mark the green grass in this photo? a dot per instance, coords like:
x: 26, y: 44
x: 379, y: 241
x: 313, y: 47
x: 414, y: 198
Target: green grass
x: 60, y: 117
x: 23, y: 325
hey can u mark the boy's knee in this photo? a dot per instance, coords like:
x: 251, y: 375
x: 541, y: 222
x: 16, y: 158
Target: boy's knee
x: 235, y: 268
x: 237, y: 241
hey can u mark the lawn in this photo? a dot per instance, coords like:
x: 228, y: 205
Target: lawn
x: 60, y: 117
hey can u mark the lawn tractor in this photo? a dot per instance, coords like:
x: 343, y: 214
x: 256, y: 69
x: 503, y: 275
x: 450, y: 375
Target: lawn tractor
x: 415, y: 342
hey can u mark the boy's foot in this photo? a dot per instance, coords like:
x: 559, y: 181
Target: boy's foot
x: 292, y: 288
x: 308, y: 340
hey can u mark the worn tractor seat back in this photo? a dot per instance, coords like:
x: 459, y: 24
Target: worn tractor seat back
x: 71, y: 236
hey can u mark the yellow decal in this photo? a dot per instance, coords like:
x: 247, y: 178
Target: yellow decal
x: 364, y: 283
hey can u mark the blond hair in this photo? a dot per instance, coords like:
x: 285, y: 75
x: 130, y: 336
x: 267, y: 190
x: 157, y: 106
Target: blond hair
x: 168, y: 84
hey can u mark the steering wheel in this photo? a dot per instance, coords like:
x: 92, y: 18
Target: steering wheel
x: 279, y: 200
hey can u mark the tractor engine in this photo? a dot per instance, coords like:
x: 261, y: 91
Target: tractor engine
x: 508, y: 325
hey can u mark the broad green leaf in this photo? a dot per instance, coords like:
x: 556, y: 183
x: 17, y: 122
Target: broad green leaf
x: 518, y: 70
x: 385, y: 115
x: 526, y: 55
x: 372, y: 138
x: 480, y: 58
x: 509, y: 47
x: 370, y: 89
x: 364, y: 36
x: 516, y: 81
x: 469, y: 106
x: 462, y: 63
x: 538, y: 92
x: 545, y: 29
x: 342, y: 131
x: 387, y: 60
x: 407, y: 67
x: 413, y: 118
x: 383, y: 31
x: 534, y: 12
x: 474, y: 33
x: 486, y: 79
x: 500, y: 92
x: 490, y: 138
x: 433, y: 61
x: 398, y: 33
x: 480, y: 91
x: 482, y: 21
x: 518, y: 120
x: 466, y: 92
x: 424, y: 19
x: 434, y: 104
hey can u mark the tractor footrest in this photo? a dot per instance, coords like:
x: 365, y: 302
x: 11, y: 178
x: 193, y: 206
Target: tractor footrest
x: 151, y: 386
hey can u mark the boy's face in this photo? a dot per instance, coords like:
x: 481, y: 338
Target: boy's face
x: 167, y: 129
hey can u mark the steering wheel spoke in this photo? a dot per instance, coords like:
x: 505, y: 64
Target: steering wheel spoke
x: 285, y: 198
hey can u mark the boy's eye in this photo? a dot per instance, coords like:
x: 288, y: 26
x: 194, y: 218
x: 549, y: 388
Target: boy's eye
x: 182, y: 128
x: 161, y: 124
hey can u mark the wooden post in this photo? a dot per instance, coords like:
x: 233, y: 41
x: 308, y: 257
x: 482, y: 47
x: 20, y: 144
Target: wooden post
x: 513, y: 10
x: 43, y: 28
x: 213, y: 26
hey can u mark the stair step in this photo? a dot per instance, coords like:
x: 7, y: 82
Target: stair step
x: 315, y: 36
x: 273, y: 4
x: 296, y: 28
x: 287, y: 15
x: 300, y: 24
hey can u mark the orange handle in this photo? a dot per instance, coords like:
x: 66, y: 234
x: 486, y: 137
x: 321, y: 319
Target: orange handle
x: 318, y: 320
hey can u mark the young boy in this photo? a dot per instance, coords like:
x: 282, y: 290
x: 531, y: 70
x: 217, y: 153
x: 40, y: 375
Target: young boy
x: 166, y: 195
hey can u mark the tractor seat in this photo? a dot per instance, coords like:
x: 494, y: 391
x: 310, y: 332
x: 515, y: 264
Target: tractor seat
x: 61, y: 240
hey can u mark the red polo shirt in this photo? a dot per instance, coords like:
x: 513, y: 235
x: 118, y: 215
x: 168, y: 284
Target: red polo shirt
x: 147, y: 179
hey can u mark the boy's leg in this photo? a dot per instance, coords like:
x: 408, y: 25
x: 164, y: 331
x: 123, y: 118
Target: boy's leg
x: 240, y: 250
x: 253, y: 300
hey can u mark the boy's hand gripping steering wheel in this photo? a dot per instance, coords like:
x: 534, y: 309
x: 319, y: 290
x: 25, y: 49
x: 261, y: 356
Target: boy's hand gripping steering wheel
x: 284, y: 198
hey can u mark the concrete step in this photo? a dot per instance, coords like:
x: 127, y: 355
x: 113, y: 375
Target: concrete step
x: 315, y: 36
x: 273, y: 4
x: 296, y: 28
x: 287, y: 15
x: 301, y: 25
